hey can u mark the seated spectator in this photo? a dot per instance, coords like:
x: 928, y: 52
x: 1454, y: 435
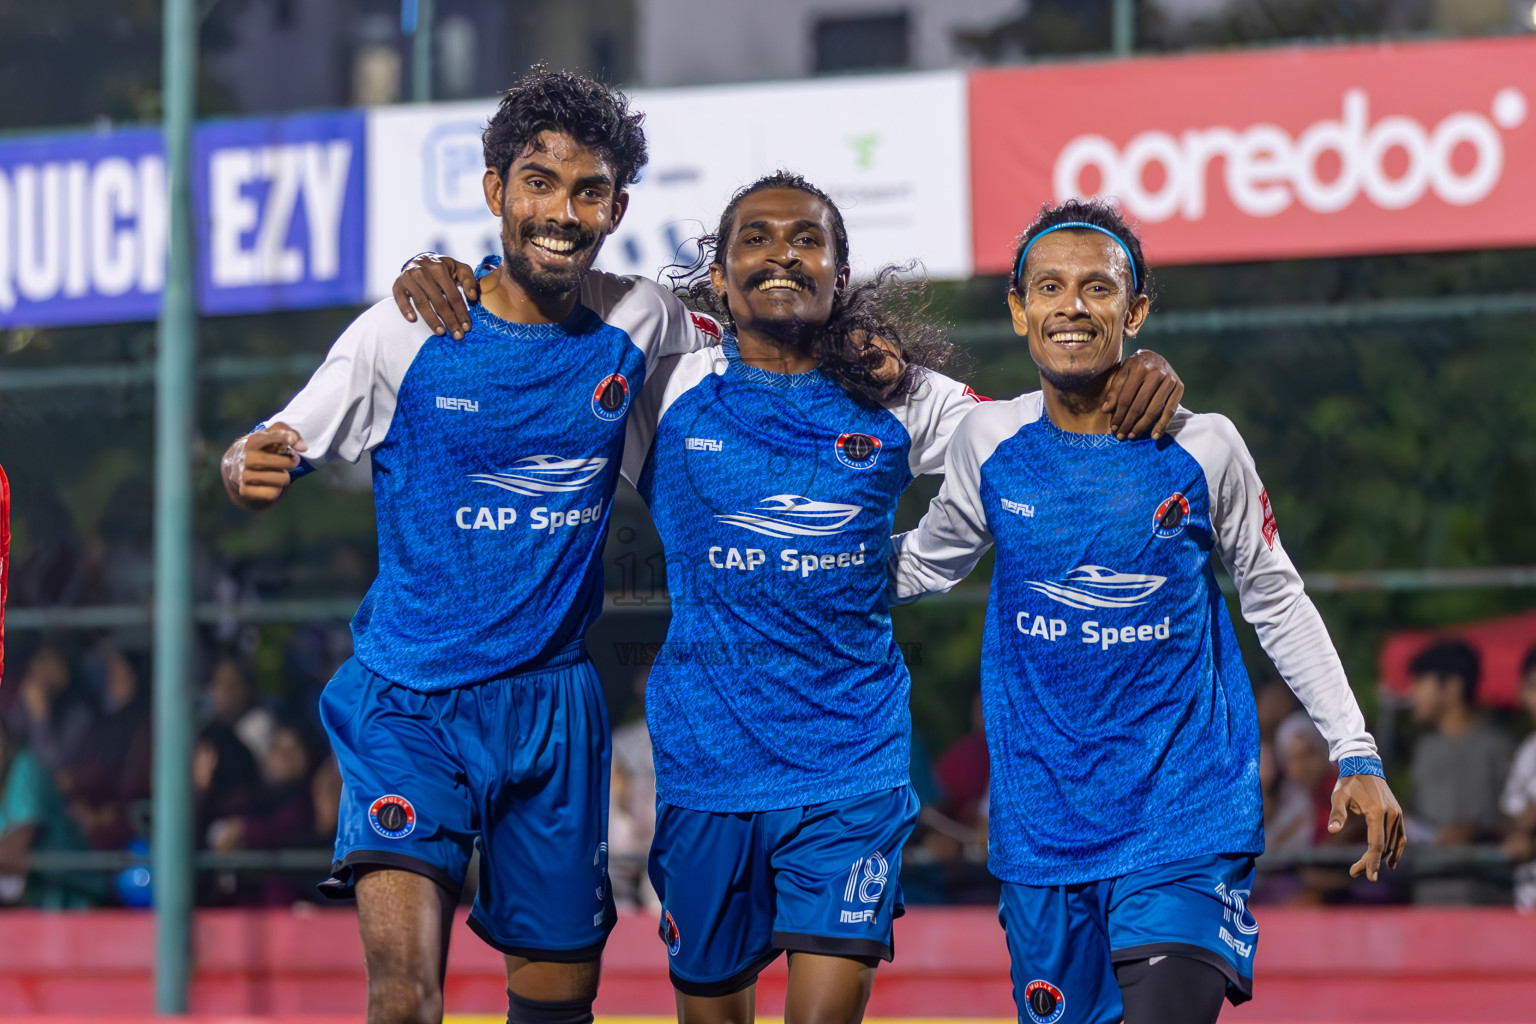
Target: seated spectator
x: 113, y: 771
x: 1459, y: 765
x: 53, y: 715
x: 963, y: 771
x: 282, y: 816
x: 227, y: 700
x: 632, y: 808
x: 224, y: 779
x: 1519, y: 799
x: 33, y: 820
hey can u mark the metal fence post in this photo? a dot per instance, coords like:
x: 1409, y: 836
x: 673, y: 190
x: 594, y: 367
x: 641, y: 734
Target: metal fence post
x: 174, y: 430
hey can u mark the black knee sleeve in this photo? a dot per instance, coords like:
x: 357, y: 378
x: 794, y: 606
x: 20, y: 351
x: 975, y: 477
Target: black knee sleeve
x: 1170, y: 990
x: 538, y: 1011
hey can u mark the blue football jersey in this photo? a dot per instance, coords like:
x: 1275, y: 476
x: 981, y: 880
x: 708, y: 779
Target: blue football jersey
x: 780, y: 683
x: 494, y: 461
x: 1120, y: 719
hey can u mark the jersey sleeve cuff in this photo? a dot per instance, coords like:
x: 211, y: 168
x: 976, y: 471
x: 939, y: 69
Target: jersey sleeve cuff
x: 1360, y: 766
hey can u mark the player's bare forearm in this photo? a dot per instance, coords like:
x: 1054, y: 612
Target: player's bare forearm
x: 1143, y: 396
x: 439, y: 290
x: 258, y: 467
x: 1386, y: 834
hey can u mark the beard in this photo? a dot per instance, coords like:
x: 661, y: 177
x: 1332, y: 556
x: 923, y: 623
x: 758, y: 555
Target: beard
x: 791, y: 331
x: 1072, y: 380
x: 545, y: 282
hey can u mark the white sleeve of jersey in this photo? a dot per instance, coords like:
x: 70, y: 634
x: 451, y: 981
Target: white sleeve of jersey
x: 953, y: 534
x: 673, y: 375
x: 655, y: 319
x: 931, y: 414
x: 346, y: 408
x: 1269, y: 588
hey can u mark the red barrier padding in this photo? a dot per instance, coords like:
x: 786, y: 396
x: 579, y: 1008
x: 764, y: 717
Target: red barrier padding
x: 1501, y: 643
x: 1399, y: 964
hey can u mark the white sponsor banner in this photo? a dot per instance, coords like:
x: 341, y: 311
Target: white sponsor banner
x: 892, y: 151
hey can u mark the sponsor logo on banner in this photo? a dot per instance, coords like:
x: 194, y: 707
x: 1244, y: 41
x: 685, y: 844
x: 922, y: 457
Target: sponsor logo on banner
x: 1272, y: 154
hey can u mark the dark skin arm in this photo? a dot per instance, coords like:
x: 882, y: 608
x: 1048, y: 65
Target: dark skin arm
x: 258, y: 467
x: 438, y: 290
x: 1386, y: 834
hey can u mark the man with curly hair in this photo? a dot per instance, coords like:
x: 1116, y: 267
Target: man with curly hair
x: 470, y: 716
x: 772, y: 466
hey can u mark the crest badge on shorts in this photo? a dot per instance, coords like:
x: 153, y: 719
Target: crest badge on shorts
x: 392, y: 816
x: 1044, y: 1002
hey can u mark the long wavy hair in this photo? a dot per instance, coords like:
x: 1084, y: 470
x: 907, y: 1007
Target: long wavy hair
x: 891, y: 305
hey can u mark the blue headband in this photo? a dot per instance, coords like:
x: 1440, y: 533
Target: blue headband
x: 1018, y: 272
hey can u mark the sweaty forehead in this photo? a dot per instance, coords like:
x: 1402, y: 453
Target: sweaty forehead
x: 1080, y: 253
x: 782, y: 205
x: 559, y: 151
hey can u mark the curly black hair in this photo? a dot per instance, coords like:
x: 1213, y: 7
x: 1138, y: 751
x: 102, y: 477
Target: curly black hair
x: 1097, y: 212
x: 890, y: 306
x: 591, y: 112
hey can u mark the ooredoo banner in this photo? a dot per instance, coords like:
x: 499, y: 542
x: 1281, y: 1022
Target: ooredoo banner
x: 890, y: 150
x: 1280, y: 154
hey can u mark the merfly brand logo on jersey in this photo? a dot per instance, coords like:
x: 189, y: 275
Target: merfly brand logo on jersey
x: 458, y: 404
x: 1268, y: 155
x: 792, y: 515
x: 1094, y: 586
x: 538, y: 475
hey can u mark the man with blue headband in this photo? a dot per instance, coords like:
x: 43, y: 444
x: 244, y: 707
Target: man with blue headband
x: 1125, y: 809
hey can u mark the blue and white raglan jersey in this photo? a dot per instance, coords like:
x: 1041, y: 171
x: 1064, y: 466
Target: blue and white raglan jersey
x: 780, y: 683
x: 494, y: 462
x: 1120, y: 719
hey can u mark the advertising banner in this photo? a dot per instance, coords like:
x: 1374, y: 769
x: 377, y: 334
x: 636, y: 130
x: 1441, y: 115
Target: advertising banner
x: 1269, y: 155
x: 279, y: 212
x: 277, y: 207
x: 890, y: 150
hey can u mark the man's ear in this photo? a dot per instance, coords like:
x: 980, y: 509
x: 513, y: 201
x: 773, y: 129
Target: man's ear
x: 620, y: 206
x: 1016, y: 307
x: 493, y: 190
x: 717, y: 281
x: 1137, y: 315
x: 843, y: 277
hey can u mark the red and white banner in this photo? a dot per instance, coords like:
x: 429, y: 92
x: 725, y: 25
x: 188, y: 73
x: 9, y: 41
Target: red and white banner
x: 1279, y: 154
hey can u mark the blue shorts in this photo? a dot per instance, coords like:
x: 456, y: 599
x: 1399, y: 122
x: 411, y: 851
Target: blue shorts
x: 1064, y: 940
x: 737, y: 889
x: 518, y: 765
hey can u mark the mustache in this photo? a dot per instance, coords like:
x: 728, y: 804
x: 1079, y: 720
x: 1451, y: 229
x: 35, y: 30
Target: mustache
x: 799, y: 277
x: 583, y: 237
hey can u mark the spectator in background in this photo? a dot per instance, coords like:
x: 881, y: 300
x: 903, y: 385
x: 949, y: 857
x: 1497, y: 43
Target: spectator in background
x: 224, y: 778
x: 963, y: 771
x: 32, y: 820
x: 1459, y: 765
x: 632, y: 807
x: 282, y: 813
x: 53, y: 715
x: 1519, y: 799
x: 227, y: 700
x: 1304, y: 789
x: 113, y: 769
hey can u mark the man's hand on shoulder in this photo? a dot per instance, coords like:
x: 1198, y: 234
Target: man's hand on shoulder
x: 1143, y: 396
x: 258, y: 467
x: 1386, y: 836
x: 439, y: 289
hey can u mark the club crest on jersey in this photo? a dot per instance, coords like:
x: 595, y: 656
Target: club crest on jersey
x: 1168, y: 520
x: 858, y: 451
x: 669, y: 933
x: 392, y: 816
x: 1044, y: 1002
x: 610, y: 399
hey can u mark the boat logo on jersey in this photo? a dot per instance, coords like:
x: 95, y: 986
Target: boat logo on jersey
x: 610, y: 399
x: 1044, y: 1002
x: 1094, y: 586
x: 791, y: 515
x: 858, y: 451
x: 392, y: 816
x: 544, y: 474
x: 669, y: 933
x: 1168, y: 520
